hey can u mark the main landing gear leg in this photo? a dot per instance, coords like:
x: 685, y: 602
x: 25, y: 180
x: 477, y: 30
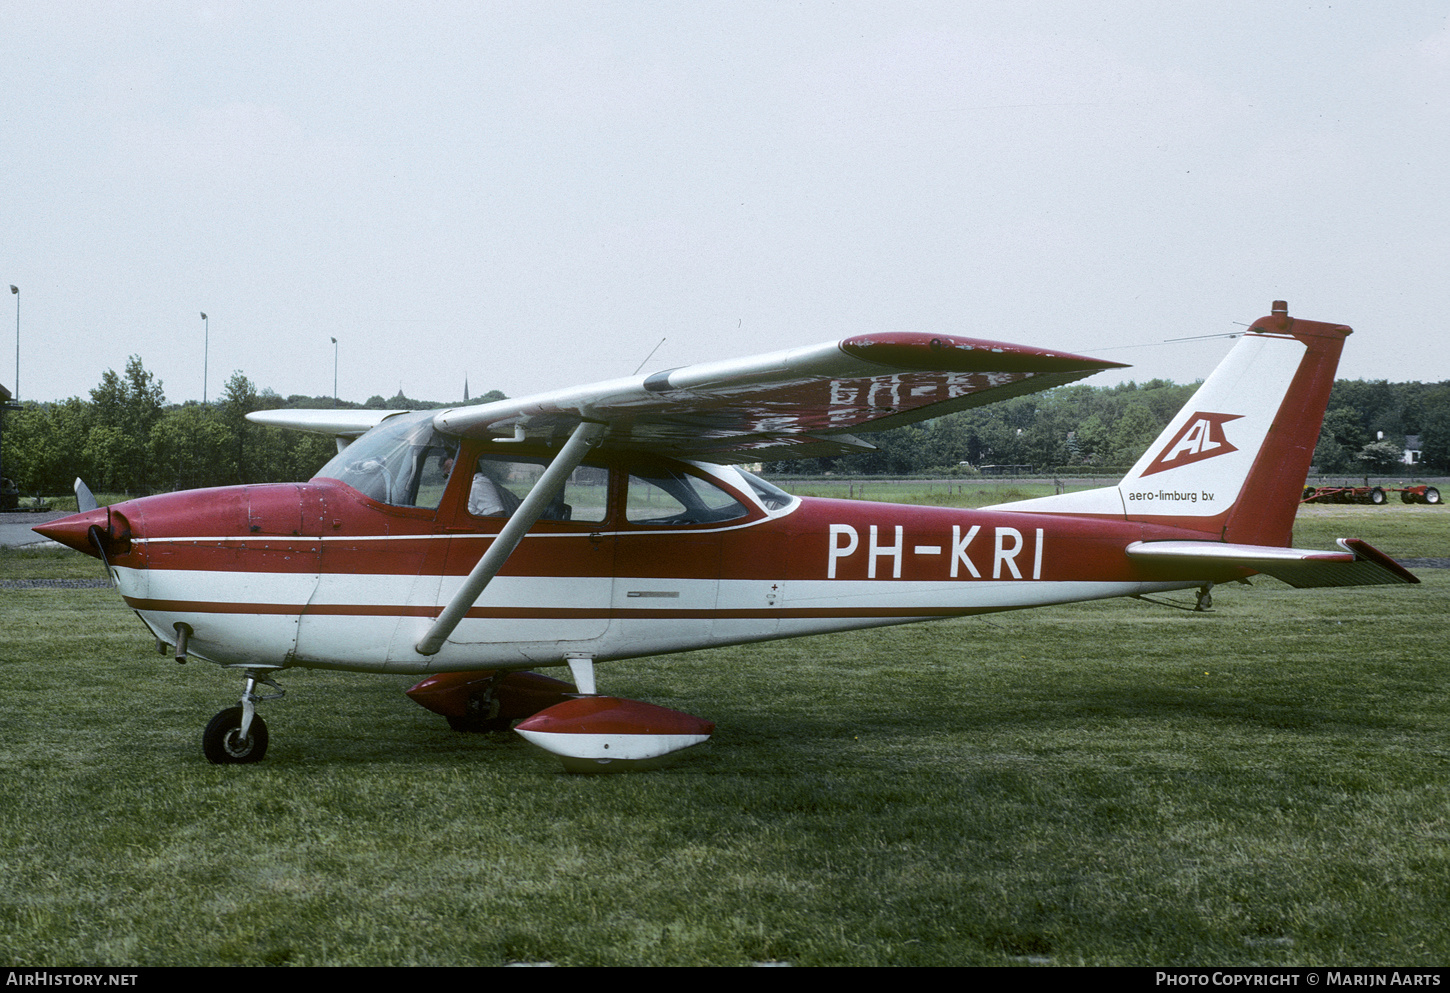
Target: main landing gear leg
x: 238, y: 734
x: 1205, y: 598
x: 581, y: 667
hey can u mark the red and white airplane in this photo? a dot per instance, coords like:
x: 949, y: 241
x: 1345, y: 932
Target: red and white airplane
x: 609, y: 522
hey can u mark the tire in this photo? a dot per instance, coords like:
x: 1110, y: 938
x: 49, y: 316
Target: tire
x: 1432, y: 495
x: 220, y: 743
x: 483, y: 713
x: 1308, y: 492
x: 1377, y: 496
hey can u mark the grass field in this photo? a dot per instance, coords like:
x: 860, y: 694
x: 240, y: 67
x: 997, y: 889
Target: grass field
x: 1111, y: 783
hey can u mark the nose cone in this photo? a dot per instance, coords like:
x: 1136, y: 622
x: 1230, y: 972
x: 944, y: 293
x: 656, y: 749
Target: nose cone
x: 75, y: 530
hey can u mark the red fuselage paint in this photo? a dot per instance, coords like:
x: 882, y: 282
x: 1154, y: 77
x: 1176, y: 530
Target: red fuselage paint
x: 218, y: 559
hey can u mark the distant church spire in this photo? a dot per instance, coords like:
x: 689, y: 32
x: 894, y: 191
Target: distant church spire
x: 465, y: 387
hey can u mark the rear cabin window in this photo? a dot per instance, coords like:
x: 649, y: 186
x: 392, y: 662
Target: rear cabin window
x: 772, y: 497
x: 666, y: 496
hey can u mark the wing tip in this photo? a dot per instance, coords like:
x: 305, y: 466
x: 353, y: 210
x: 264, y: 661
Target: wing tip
x: 1364, y: 550
x: 943, y: 352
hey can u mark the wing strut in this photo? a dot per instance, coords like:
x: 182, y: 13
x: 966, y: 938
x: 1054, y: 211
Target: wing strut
x: 550, y: 485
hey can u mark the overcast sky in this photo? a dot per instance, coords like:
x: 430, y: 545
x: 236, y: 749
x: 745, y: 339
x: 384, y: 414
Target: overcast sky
x: 534, y: 194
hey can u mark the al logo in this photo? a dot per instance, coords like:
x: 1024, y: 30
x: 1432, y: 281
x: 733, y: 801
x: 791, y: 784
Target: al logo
x: 1201, y: 437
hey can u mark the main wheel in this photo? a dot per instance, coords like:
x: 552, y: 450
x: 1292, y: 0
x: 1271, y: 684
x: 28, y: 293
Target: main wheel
x: 483, y: 713
x: 1376, y: 496
x: 1432, y: 495
x: 223, y: 744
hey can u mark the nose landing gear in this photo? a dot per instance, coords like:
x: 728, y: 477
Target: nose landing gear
x: 238, y: 734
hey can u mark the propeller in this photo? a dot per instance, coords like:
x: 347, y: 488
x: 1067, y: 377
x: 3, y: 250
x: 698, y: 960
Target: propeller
x: 85, y: 499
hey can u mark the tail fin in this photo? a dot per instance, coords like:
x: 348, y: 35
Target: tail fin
x: 1232, y: 462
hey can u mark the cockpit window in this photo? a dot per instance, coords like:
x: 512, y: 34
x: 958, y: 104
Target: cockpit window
x: 403, y: 462
x: 665, y: 495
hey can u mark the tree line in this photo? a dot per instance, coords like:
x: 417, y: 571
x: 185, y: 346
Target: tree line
x: 127, y: 439
x: 1366, y: 426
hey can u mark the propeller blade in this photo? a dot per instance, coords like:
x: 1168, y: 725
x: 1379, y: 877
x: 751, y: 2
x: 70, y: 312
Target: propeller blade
x: 85, y: 499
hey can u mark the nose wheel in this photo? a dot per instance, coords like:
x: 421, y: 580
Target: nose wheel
x: 224, y: 744
x: 238, y: 735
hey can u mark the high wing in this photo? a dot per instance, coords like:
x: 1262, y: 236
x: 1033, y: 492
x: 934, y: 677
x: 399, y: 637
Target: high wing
x: 798, y: 403
x: 342, y: 425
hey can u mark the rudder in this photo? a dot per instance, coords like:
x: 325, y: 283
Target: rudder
x: 1233, y: 460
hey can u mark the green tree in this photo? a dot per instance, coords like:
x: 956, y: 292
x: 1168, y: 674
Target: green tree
x: 1381, y: 456
x: 44, y: 445
x: 1092, y: 440
x: 191, y: 446
x: 125, y: 409
x: 1435, y: 430
x: 110, y: 457
x: 240, y: 398
x: 1133, y: 433
x: 1342, y: 436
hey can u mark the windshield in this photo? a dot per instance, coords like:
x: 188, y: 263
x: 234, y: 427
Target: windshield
x: 403, y: 462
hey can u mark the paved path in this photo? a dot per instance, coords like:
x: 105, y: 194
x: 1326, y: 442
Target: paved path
x: 15, y: 527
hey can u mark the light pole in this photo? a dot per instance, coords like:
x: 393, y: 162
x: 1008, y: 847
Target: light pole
x: 205, y: 353
x: 334, y: 372
x: 16, y: 290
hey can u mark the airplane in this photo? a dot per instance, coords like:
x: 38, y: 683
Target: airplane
x: 473, y: 545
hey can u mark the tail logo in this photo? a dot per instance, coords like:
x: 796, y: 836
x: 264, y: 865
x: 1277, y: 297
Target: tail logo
x: 1201, y: 437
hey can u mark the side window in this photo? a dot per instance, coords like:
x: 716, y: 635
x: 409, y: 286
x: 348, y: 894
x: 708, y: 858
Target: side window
x: 500, y: 484
x: 433, y: 471
x: 665, y: 496
x: 770, y: 495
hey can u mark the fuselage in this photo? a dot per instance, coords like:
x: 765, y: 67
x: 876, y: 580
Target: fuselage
x: 651, y: 556
x: 434, y: 545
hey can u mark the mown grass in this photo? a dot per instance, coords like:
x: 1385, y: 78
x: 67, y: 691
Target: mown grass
x: 1111, y: 783
x: 1400, y: 530
x: 48, y: 562
x: 926, y: 492
x: 980, y: 492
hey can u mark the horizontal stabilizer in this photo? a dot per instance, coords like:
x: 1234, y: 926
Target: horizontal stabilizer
x: 1356, y: 564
